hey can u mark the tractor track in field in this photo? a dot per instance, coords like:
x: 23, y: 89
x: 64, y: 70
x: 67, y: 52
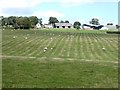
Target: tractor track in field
x: 63, y: 49
x: 58, y: 44
x: 58, y: 59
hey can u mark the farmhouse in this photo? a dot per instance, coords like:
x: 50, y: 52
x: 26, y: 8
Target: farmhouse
x: 38, y: 25
x: 63, y: 25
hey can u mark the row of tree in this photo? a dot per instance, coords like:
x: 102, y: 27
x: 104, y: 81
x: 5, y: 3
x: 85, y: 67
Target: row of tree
x: 30, y: 22
x: 21, y: 22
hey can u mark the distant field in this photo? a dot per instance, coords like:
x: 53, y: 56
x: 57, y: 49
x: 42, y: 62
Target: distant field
x: 74, y: 58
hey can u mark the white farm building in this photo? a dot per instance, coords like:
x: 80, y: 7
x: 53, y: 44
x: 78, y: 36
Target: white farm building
x: 63, y: 25
x: 38, y: 25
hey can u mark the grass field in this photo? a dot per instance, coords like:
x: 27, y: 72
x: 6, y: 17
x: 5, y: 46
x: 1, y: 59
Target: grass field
x: 74, y: 58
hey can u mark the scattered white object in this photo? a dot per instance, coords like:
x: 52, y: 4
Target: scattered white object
x: 3, y: 29
x: 51, y: 48
x: 14, y: 37
x: 103, y: 48
x: 45, y: 48
x: 26, y: 37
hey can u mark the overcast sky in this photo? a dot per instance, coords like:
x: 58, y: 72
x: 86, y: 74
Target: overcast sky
x: 72, y: 10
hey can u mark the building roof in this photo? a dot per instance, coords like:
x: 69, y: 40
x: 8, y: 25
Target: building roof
x: 92, y: 26
x: 63, y: 24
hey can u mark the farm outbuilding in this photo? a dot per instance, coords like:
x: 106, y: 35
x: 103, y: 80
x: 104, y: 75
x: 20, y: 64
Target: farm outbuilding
x: 91, y: 26
x: 110, y: 27
x: 48, y: 25
x: 63, y: 25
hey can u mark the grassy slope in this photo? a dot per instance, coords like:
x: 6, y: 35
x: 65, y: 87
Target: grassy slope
x: 77, y: 59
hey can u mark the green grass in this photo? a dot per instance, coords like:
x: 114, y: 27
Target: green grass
x: 76, y: 60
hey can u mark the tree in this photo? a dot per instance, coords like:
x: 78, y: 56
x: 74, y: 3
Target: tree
x: 53, y: 20
x: 40, y: 21
x: 94, y: 21
x: 8, y: 21
x: 12, y: 21
x: 117, y: 26
x: 109, y: 23
x: 23, y: 22
x: 5, y: 21
x: 66, y: 21
x: 77, y: 25
x: 33, y: 21
x: 61, y: 21
x: 1, y: 17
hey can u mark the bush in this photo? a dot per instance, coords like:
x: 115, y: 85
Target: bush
x: 113, y: 32
x: 77, y: 27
